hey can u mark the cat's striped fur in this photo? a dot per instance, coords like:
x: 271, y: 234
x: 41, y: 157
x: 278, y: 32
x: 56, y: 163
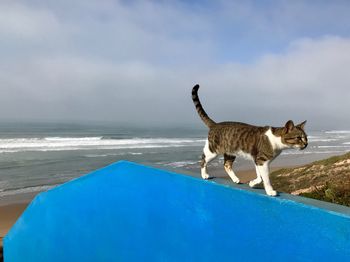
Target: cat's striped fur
x: 261, y: 144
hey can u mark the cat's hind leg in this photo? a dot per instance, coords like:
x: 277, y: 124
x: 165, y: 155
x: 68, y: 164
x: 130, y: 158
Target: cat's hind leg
x: 257, y: 180
x: 206, y: 158
x: 228, y: 162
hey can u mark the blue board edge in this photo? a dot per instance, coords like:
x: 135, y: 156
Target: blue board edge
x: 334, y: 209
x: 282, y: 198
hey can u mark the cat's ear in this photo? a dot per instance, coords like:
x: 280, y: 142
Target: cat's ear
x: 302, y: 125
x: 288, y: 126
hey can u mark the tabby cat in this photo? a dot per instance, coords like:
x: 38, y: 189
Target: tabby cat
x: 261, y: 144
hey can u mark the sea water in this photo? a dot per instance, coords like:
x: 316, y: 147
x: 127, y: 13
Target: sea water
x: 36, y: 157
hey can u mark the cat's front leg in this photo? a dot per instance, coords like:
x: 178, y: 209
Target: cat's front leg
x: 257, y: 180
x: 263, y: 170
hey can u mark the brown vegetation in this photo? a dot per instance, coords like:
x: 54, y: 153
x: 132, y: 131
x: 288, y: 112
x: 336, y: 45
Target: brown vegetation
x: 327, y: 180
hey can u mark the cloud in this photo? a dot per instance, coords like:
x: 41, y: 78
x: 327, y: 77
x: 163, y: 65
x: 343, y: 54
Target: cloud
x: 110, y: 30
x: 19, y: 22
x: 137, y: 61
x: 309, y: 80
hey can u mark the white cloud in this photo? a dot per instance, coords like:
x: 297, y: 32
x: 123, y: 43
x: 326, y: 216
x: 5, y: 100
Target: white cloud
x: 309, y: 80
x: 137, y: 62
x: 22, y: 22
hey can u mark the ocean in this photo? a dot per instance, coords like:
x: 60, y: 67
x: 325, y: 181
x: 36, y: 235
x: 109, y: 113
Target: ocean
x: 36, y: 157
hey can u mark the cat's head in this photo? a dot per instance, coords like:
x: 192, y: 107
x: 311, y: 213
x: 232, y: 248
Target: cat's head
x: 294, y: 136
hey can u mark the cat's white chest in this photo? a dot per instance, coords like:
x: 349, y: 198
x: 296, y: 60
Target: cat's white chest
x: 275, y: 141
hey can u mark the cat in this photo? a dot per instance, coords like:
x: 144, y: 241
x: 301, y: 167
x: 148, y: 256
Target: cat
x: 261, y: 144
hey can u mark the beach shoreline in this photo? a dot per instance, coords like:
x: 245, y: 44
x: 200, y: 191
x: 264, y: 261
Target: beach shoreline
x: 9, y: 215
x: 11, y: 207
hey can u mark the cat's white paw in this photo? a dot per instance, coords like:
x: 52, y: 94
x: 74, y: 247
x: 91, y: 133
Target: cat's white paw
x: 255, y: 182
x: 271, y: 192
x: 205, y: 176
x: 236, y: 180
x: 252, y: 184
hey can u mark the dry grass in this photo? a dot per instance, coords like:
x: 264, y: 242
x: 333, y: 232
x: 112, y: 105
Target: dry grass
x: 327, y: 180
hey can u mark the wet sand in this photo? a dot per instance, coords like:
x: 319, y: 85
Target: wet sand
x: 8, y: 216
x: 11, y: 207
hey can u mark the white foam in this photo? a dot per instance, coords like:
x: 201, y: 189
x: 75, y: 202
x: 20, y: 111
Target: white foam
x: 3, y: 184
x: 338, y: 146
x: 96, y: 155
x: 338, y: 132
x: 322, y: 139
x: 85, y: 143
x: 26, y: 190
x: 73, y: 138
x: 312, y: 152
x: 181, y: 163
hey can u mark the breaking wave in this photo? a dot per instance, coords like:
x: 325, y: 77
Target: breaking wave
x: 25, y: 190
x: 84, y: 143
x: 338, y: 132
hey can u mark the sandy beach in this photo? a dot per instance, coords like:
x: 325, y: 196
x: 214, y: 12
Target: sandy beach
x: 11, y: 207
x: 8, y: 216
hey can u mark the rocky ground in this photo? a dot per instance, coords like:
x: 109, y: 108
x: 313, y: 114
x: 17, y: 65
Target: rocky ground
x: 327, y: 180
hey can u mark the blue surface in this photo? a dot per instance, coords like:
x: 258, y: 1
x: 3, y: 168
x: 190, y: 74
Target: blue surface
x: 129, y: 212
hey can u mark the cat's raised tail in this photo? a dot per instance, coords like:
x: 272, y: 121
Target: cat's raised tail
x: 203, y: 115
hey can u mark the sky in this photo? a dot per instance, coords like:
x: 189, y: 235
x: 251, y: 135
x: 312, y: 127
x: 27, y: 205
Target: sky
x: 260, y: 62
